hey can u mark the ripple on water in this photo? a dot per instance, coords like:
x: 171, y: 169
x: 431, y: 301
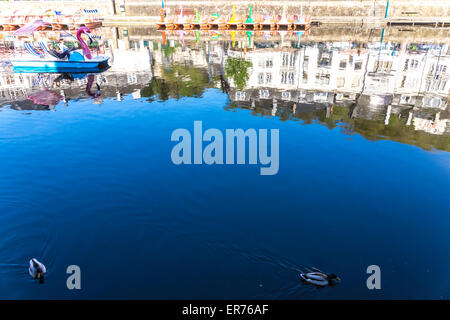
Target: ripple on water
x: 278, y: 277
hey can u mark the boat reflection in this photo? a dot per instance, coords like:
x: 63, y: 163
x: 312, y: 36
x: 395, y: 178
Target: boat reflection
x: 19, y: 87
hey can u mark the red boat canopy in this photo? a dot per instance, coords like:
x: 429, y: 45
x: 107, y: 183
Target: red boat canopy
x: 30, y: 28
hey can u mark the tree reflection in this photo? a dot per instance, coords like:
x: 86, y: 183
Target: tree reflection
x: 177, y: 82
x: 237, y: 69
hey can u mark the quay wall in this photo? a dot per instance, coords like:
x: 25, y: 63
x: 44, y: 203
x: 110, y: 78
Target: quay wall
x: 315, y: 8
x: 104, y: 7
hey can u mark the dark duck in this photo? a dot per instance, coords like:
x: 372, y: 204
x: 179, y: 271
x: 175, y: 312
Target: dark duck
x: 319, y: 278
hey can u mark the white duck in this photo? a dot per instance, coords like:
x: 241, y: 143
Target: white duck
x: 37, y: 270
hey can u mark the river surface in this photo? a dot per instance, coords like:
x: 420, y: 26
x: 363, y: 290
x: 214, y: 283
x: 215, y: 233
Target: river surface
x: 364, y: 171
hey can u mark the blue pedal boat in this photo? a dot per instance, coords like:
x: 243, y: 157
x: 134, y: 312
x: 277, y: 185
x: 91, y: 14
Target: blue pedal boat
x: 78, y: 61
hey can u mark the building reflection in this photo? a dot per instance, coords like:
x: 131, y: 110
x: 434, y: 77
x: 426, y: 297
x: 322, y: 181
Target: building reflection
x: 376, y: 82
x: 395, y: 90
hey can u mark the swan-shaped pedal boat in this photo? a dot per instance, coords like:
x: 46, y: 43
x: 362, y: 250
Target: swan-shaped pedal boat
x: 78, y: 60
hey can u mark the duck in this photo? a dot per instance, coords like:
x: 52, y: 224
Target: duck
x: 37, y: 270
x: 320, y: 279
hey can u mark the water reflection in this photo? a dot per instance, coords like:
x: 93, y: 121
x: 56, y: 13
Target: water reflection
x: 391, y: 90
x: 95, y: 172
x: 381, y: 89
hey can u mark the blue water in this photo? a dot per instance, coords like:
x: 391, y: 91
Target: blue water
x: 94, y: 186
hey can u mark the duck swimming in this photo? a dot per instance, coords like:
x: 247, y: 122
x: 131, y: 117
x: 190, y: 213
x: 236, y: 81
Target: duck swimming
x: 320, y: 279
x: 37, y: 270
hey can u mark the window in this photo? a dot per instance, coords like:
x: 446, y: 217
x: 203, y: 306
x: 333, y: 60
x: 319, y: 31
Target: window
x: 342, y: 64
x: 411, y: 82
x: 265, y: 62
x: 288, y: 59
x: 431, y: 102
x: 283, y: 77
x: 382, y: 66
x: 260, y: 78
x: 438, y: 84
x: 9, y: 79
x: 301, y: 95
x: 402, y: 85
x: 121, y: 5
x: 131, y: 78
x: 358, y: 65
x: 264, y: 94
x: 287, y: 77
x: 325, y: 59
x: 291, y: 78
x: 261, y: 63
x: 406, y: 65
x: 387, y: 65
x: 414, y: 64
x: 405, y: 99
x: 432, y: 68
x: 240, y: 95
x: 305, y: 63
x: 320, y: 96
x: 305, y: 77
x: 355, y: 81
x: 340, y: 82
x: 268, y: 78
x: 322, y: 78
x: 293, y: 59
x: 285, y: 59
x: 286, y: 95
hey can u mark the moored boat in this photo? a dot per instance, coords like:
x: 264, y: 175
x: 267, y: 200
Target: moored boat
x: 49, y: 61
x: 53, y: 65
